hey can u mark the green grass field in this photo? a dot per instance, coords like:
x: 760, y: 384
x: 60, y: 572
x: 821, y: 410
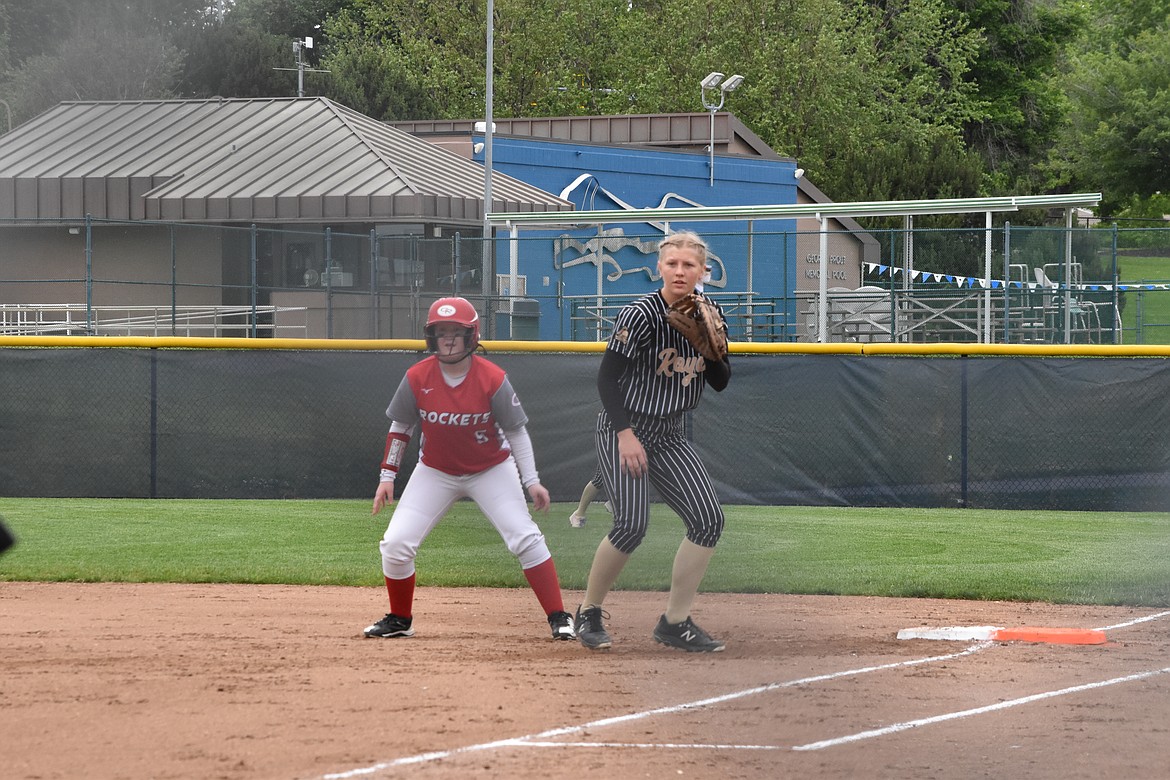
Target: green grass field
x: 1061, y: 557
x: 1153, y: 306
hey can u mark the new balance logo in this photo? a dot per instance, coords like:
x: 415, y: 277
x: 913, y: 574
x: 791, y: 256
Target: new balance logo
x: 685, y: 636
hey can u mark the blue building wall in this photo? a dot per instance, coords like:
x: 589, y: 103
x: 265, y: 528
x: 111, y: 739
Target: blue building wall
x: 561, y: 264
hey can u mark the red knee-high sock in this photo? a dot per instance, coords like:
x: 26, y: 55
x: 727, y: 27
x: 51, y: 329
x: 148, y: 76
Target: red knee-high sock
x: 546, y: 586
x: 401, y: 595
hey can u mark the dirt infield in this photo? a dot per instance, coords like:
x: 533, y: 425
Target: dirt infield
x: 248, y: 682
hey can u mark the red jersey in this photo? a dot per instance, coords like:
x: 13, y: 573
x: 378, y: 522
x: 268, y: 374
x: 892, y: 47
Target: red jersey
x: 461, y: 425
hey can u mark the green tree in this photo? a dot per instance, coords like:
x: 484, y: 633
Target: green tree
x: 90, y: 50
x: 108, y: 64
x: 1119, y: 134
x: 1022, y: 44
x: 887, y: 79
x: 434, y: 50
x: 375, y: 80
x: 250, y: 51
x: 29, y: 29
x: 285, y: 18
x: 1117, y: 86
x: 569, y: 58
x: 236, y: 60
x: 1118, y: 23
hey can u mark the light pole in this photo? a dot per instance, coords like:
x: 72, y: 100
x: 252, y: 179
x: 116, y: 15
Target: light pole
x: 715, y: 80
x: 487, y: 282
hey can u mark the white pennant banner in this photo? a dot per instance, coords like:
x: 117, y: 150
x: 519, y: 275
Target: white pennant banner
x: 998, y: 284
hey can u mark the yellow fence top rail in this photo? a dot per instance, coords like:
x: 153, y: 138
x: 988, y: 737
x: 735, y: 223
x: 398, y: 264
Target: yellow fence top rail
x: 737, y: 348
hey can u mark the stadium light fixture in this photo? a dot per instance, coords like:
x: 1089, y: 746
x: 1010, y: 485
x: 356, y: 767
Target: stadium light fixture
x: 715, y: 80
x: 732, y: 83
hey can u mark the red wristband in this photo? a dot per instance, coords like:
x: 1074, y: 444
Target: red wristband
x: 395, y: 447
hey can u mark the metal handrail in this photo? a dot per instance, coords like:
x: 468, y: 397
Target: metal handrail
x: 30, y: 319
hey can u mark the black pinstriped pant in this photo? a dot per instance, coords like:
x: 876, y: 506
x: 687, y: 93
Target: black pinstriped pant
x: 676, y: 473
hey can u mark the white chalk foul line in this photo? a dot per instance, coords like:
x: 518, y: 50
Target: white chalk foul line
x: 668, y: 745
x: 423, y: 758
x: 1135, y: 621
x: 825, y: 743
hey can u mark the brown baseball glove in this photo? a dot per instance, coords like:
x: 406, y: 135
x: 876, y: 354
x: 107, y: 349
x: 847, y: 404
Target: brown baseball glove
x: 701, y: 323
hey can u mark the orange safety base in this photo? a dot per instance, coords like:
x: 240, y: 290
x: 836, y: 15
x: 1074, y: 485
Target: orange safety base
x: 1060, y: 636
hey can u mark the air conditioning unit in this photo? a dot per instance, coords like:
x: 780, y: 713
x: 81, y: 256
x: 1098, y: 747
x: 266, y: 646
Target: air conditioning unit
x: 504, y: 286
x: 336, y: 278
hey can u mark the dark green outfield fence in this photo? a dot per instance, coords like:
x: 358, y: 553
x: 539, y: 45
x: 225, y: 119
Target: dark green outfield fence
x: 796, y: 426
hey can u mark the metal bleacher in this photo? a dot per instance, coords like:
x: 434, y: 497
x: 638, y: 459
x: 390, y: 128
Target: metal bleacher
x: 1025, y: 310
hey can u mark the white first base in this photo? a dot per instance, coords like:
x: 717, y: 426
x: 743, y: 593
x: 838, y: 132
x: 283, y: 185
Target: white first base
x: 959, y: 633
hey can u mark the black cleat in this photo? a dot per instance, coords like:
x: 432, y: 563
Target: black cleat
x: 391, y: 625
x: 590, y: 629
x: 561, y: 624
x: 686, y: 636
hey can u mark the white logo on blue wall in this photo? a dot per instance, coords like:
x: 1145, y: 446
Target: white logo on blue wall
x: 612, y: 246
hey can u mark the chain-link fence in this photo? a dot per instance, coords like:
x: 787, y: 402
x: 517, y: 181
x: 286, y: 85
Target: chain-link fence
x: 1105, y: 285
x: 792, y: 428
x: 134, y: 279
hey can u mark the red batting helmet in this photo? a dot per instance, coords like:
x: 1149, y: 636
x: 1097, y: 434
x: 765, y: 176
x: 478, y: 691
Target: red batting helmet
x: 456, y: 310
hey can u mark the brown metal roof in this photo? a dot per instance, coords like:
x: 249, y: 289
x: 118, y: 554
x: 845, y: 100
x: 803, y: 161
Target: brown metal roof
x: 674, y: 131
x: 241, y: 160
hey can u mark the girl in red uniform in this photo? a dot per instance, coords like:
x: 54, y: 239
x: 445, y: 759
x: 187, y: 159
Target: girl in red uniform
x: 474, y: 445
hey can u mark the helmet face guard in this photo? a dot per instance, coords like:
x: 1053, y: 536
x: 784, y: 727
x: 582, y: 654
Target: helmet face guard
x: 460, y: 312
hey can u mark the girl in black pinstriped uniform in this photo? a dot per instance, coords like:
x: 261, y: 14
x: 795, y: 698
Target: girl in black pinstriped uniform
x: 650, y: 376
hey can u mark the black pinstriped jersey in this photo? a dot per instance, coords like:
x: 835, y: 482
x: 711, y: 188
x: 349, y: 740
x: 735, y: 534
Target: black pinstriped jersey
x: 665, y: 375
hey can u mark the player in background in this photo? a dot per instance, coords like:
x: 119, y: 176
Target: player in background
x: 650, y: 376
x: 474, y: 445
x: 588, y: 495
x: 6, y: 537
